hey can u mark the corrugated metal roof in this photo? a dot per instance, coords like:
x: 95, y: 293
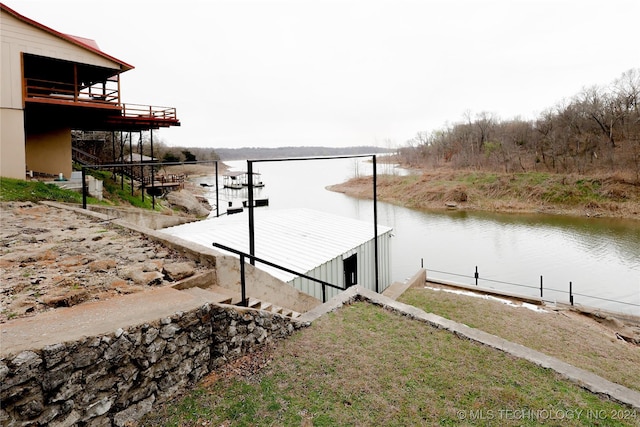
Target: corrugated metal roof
x: 299, y: 239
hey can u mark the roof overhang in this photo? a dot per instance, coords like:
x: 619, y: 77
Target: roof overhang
x: 82, y: 42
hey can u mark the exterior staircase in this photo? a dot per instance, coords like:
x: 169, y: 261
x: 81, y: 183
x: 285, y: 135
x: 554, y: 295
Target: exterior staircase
x: 220, y: 295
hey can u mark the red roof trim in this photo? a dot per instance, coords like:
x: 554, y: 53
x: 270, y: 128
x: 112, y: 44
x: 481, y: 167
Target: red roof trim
x: 71, y: 39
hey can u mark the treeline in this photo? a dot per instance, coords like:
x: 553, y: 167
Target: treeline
x: 113, y: 147
x: 186, y: 154
x: 256, y: 153
x: 596, y: 130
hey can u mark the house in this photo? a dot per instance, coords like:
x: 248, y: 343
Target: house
x: 329, y: 247
x: 52, y: 84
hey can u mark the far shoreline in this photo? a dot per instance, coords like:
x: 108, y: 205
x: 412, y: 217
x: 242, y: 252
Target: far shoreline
x: 449, y: 190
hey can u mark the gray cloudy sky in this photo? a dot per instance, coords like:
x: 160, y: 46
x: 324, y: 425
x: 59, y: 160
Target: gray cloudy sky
x: 349, y: 72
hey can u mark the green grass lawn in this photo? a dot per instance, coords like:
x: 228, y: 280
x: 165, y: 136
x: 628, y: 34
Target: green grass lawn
x: 115, y: 193
x: 34, y: 191
x: 566, y: 335
x: 363, y: 365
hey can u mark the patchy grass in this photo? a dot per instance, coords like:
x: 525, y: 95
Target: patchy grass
x: 611, y: 195
x: 363, y: 365
x: 563, y: 334
x: 34, y: 191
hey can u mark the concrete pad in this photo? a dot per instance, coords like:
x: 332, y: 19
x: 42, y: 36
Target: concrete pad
x: 93, y: 318
x: 398, y: 288
x: 488, y: 291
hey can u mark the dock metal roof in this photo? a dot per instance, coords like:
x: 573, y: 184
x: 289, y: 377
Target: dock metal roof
x: 299, y: 239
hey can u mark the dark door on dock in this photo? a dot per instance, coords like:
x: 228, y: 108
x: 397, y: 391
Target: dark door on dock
x: 350, y: 271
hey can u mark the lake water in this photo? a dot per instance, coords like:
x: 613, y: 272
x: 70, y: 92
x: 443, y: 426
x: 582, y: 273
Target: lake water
x: 601, y: 257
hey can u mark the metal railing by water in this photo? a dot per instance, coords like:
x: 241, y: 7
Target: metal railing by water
x: 570, y: 293
x: 375, y: 201
x: 243, y: 284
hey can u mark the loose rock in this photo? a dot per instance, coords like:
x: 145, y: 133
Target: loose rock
x: 52, y: 257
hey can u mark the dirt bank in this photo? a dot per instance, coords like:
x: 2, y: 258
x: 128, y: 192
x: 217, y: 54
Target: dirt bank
x: 608, y: 196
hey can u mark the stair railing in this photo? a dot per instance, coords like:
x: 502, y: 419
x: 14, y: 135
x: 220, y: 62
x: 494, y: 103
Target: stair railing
x: 243, y: 285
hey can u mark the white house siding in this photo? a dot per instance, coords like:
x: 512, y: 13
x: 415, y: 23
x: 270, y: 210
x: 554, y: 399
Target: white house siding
x: 17, y: 37
x: 20, y: 37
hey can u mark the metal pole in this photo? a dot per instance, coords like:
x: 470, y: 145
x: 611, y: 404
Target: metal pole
x: 571, y: 293
x: 375, y: 222
x: 243, y: 284
x: 540, y: 286
x: 131, y: 161
x: 217, y: 193
x: 113, y: 145
x: 141, y: 164
x: 121, y: 161
x: 153, y: 190
x: 84, y: 190
x: 252, y: 238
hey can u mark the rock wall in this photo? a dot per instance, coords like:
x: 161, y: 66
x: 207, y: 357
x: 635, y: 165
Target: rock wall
x: 115, y: 379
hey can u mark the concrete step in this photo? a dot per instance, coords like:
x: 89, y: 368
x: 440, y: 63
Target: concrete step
x: 235, y: 298
x: 266, y: 306
x: 255, y: 303
x: 206, y: 295
x: 276, y: 309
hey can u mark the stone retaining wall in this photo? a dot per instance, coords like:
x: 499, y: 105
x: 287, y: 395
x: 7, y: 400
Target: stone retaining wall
x: 115, y: 379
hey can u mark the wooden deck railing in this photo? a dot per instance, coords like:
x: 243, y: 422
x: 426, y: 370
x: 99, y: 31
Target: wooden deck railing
x: 148, y: 111
x: 100, y: 93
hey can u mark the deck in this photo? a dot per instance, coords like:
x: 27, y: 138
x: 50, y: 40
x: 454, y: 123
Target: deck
x: 120, y: 116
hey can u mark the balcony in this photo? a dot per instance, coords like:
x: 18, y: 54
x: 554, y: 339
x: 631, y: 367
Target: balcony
x: 85, y: 97
x: 143, y: 117
x: 104, y: 95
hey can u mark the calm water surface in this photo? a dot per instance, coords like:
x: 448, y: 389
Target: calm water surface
x: 601, y: 257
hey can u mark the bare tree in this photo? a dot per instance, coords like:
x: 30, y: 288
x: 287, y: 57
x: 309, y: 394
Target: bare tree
x: 597, y: 129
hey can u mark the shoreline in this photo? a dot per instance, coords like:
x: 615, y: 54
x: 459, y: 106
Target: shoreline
x: 444, y: 190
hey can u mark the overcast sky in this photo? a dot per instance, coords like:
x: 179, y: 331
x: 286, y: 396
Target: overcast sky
x: 341, y: 73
